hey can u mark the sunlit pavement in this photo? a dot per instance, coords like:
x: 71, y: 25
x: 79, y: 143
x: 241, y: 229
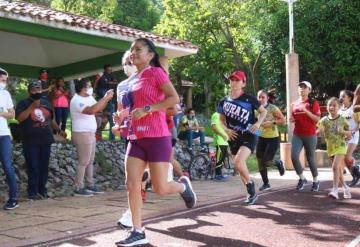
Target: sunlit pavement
x: 282, y: 217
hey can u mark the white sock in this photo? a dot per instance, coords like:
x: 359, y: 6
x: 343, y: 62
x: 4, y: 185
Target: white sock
x: 315, y: 179
x: 184, y: 187
x: 302, y: 176
x: 138, y: 230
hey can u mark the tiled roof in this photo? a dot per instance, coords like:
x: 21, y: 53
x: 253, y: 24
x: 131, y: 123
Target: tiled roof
x: 54, y: 16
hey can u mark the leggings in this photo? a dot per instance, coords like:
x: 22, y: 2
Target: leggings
x: 309, y: 143
x: 221, y: 152
x: 265, y: 152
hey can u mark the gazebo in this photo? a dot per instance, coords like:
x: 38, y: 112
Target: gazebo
x: 35, y: 37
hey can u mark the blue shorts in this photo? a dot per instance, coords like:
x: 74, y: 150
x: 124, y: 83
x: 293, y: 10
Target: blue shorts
x: 154, y: 149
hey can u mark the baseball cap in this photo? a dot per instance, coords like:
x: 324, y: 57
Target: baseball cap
x: 238, y: 76
x: 34, y: 84
x: 306, y: 83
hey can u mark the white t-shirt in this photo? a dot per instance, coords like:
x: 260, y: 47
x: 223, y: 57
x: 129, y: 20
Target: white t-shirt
x: 5, y: 104
x: 348, y: 115
x: 82, y: 122
x: 124, y: 86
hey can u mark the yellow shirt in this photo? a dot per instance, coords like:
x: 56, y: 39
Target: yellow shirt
x: 272, y: 131
x: 335, y: 142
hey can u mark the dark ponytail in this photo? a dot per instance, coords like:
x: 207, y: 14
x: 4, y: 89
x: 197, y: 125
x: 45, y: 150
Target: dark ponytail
x: 155, y: 62
x: 311, y: 99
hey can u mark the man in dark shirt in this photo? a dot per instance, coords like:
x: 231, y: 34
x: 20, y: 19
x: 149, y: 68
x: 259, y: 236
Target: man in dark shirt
x: 106, y: 82
x: 35, y: 117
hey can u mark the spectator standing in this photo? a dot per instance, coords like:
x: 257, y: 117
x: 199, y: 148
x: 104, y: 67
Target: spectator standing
x: 35, y: 117
x: 305, y: 113
x: 83, y: 108
x: 7, y: 112
x: 107, y: 82
x: 61, y: 103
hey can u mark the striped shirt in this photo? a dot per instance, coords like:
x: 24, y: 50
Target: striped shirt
x: 147, y: 92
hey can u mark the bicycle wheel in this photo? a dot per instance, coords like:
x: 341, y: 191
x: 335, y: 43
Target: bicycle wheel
x: 199, y: 167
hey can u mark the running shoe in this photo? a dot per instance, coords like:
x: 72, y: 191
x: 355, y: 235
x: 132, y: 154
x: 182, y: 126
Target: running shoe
x: 125, y: 221
x: 301, y: 184
x: 134, y: 238
x: 265, y: 187
x: 334, y: 194
x: 280, y: 166
x: 356, y: 176
x: 188, y: 195
x: 252, y: 196
x: 83, y: 192
x: 347, y: 194
x: 145, y: 176
x: 94, y: 189
x: 220, y: 178
x: 11, y: 204
x: 315, y: 186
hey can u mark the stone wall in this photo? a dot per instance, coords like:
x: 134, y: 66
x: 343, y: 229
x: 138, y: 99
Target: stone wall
x: 109, y: 172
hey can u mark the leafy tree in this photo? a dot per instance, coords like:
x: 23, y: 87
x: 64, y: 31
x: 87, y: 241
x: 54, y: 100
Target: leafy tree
x: 140, y: 14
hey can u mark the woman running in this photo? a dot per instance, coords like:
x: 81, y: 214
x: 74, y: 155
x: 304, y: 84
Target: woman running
x: 347, y: 110
x: 237, y: 112
x: 269, y: 142
x: 150, y: 139
x: 305, y: 113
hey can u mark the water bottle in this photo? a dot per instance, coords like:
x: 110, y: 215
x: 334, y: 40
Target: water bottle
x: 257, y: 132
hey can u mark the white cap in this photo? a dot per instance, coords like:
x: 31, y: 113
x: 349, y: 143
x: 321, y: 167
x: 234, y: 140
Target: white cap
x: 308, y: 84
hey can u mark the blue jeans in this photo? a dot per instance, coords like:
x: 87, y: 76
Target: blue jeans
x: 7, y: 163
x: 189, y: 135
x: 37, y: 164
x: 61, y: 114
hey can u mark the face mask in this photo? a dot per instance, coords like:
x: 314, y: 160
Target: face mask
x: 90, y: 91
x: 36, y: 96
x: 2, y: 85
x: 129, y: 70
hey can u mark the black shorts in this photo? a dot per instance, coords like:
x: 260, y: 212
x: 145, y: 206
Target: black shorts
x: 173, y: 142
x: 267, y: 148
x: 243, y: 139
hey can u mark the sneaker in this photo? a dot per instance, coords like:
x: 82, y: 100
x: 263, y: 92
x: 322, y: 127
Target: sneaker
x: 94, y: 190
x: 252, y: 196
x: 145, y: 176
x: 190, y: 151
x: 188, y: 195
x: 220, y: 178
x: 125, y: 221
x: 347, y: 194
x: 356, y: 176
x: 265, y: 187
x: 334, y: 194
x: 134, y: 238
x: 204, y: 150
x: 315, y: 186
x: 143, y: 195
x: 301, y: 184
x: 280, y: 166
x: 11, y: 204
x: 83, y: 192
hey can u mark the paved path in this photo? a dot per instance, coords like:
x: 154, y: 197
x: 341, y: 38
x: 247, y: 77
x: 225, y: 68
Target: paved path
x: 54, y: 221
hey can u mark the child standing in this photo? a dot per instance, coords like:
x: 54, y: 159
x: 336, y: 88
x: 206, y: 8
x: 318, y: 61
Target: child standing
x: 336, y: 131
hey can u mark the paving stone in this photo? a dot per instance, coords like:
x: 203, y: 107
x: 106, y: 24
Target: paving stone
x: 63, y: 226
x: 28, y: 232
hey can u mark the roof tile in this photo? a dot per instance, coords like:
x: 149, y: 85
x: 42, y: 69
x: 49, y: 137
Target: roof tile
x: 36, y: 11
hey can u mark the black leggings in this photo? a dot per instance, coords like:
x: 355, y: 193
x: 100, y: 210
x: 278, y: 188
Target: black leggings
x: 221, y: 152
x: 265, y: 152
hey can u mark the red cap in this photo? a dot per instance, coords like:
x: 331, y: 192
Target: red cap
x: 238, y: 76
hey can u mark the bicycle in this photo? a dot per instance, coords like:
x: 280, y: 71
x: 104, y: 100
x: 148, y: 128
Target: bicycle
x: 203, y: 165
